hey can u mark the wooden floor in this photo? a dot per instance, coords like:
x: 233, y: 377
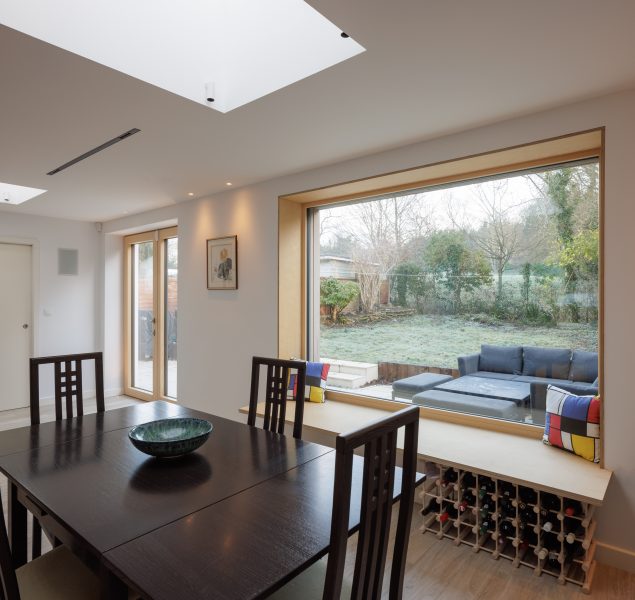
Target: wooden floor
x: 436, y: 569
x: 439, y: 570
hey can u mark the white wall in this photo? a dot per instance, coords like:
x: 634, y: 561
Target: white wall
x: 64, y: 306
x: 220, y: 331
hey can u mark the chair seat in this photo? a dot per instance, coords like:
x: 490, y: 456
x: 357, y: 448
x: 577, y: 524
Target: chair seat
x: 309, y: 585
x: 58, y: 574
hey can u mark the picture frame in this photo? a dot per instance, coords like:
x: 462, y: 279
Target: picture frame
x: 222, y: 263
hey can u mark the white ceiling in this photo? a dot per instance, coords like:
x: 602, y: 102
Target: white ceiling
x: 429, y: 68
x: 233, y: 51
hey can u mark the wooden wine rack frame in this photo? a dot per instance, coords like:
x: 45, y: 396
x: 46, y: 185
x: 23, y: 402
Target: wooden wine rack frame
x: 464, y: 530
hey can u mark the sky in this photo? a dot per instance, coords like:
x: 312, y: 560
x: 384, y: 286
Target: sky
x: 514, y: 196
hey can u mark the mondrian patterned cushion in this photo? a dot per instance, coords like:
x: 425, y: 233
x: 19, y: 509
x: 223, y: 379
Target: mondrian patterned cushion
x: 315, y: 382
x: 573, y: 423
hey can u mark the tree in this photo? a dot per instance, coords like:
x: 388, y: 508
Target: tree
x: 410, y: 280
x: 455, y: 265
x: 381, y: 231
x: 500, y: 235
x: 336, y: 295
x: 573, y: 193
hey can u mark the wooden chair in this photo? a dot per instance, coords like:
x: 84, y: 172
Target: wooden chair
x: 68, y: 383
x: 58, y: 575
x: 276, y: 393
x: 325, y: 579
x: 68, y: 386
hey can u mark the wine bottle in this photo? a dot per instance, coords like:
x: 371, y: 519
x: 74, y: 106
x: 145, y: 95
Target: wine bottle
x: 486, y: 485
x: 572, y: 551
x: 548, y: 543
x: 507, y: 490
x: 433, y: 506
x: 548, y: 525
x: 527, y: 515
x: 553, y: 561
x: 506, y: 529
x: 467, y: 499
x: 572, y: 529
x: 527, y: 496
x: 450, y: 476
x: 487, y: 525
x: 506, y: 508
x: 469, y: 480
x: 528, y: 537
x: 549, y: 501
x: 449, y: 512
x: 572, y: 507
x: 487, y: 503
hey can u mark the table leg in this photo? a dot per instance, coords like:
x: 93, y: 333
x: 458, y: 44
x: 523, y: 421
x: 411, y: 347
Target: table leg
x: 111, y: 587
x: 17, y: 527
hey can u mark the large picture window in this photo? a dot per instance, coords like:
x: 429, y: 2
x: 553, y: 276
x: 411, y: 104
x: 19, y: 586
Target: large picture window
x: 470, y: 296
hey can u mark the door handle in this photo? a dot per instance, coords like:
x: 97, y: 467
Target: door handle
x: 25, y: 326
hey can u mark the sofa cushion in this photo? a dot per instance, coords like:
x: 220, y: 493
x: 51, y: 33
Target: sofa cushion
x: 492, y: 375
x: 545, y: 380
x: 501, y: 359
x: 553, y: 363
x: 584, y: 366
x: 474, y: 405
x: 419, y: 383
x: 573, y: 423
x: 314, y: 382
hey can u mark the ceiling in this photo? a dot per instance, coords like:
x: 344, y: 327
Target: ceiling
x: 430, y: 68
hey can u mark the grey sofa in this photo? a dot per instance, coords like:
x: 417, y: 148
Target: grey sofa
x: 575, y: 371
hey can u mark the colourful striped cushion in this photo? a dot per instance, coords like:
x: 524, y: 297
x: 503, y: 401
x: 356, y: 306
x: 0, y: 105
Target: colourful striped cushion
x: 315, y: 382
x: 573, y: 423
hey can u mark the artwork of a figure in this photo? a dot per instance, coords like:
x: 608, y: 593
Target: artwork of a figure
x: 224, y: 269
x: 222, y: 266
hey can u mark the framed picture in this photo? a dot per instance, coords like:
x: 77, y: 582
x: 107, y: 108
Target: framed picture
x: 222, y: 263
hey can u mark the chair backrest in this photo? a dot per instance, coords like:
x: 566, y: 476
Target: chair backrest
x: 379, y: 440
x: 9, y: 589
x: 276, y: 388
x: 68, y: 383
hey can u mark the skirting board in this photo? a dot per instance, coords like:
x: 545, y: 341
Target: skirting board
x: 614, y: 556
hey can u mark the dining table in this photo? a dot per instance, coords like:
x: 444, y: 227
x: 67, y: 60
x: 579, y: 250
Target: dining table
x: 236, y: 519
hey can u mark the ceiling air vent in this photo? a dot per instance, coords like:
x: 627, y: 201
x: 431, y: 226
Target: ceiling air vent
x: 103, y: 146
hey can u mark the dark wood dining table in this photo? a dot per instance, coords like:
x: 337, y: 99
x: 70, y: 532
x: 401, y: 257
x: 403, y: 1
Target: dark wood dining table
x: 236, y: 519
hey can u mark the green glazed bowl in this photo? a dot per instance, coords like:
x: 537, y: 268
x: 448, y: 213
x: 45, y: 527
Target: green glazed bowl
x: 170, y: 437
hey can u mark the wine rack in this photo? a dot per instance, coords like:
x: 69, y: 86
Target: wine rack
x: 495, y: 516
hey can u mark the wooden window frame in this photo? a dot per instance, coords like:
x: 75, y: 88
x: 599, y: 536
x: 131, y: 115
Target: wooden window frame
x: 294, y: 256
x: 158, y: 237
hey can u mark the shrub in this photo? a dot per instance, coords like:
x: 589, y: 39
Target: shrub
x: 336, y: 295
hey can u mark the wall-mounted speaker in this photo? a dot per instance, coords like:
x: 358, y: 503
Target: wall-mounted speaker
x: 67, y: 261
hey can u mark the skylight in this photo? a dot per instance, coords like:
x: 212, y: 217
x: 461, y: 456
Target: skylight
x: 234, y: 50
x: 17, y: 194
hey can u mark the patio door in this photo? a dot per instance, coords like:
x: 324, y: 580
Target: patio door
x: 151, y: 308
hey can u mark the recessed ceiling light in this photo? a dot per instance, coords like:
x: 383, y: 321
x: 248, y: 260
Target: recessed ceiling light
x: 190, y: 193
x: 229, y: 183
x: 17, y: 194
x: 210, y: 52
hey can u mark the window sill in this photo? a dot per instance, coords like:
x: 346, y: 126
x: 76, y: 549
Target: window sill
x: 522, y: 460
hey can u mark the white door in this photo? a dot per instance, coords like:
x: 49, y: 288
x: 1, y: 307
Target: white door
x: 15, y: 325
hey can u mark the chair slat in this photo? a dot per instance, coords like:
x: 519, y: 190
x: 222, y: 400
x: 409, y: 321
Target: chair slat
x: 79, y: 389
x: 277, y: 382
x: 58, y: 391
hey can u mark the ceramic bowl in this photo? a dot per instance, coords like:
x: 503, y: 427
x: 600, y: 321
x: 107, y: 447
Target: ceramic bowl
x: 170, y: 437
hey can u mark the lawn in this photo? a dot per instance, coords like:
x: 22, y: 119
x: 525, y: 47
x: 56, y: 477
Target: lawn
x: 437, y: 341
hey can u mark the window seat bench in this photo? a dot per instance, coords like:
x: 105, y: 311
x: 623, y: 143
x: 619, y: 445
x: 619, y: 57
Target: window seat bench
x: 521, y: 460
